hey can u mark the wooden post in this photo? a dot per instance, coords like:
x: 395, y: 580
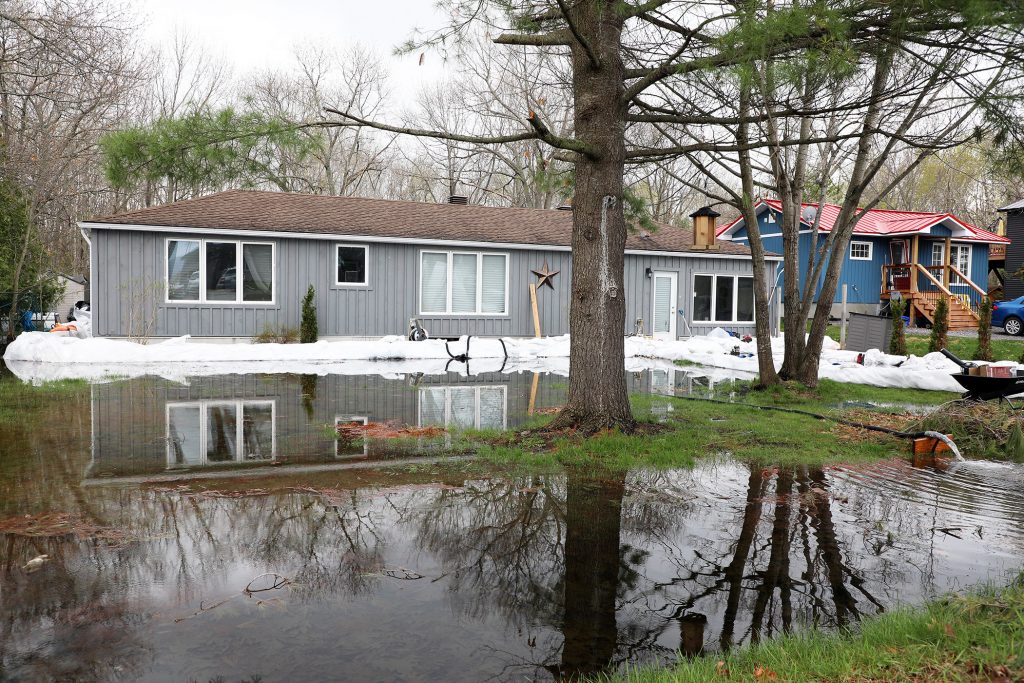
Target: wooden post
x: 842, y: 322
x: 914, y: 265
x: 536, y: 312
x: 914, y: 261
x: 533, y: 394
x: 946, y: 256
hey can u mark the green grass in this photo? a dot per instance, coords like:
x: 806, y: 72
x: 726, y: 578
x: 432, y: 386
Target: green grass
x: 689, y: 430
x: 976, y: 637
x: 917, y: 344
x: 22, y: 403
x: 1002, y: 349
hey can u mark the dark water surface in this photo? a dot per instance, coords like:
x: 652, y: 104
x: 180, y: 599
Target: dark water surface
x: 193, y: 491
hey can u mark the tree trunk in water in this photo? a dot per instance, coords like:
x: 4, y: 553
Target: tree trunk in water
x: 735, y: 571
x: 597, y: 396
x: 593, y: 514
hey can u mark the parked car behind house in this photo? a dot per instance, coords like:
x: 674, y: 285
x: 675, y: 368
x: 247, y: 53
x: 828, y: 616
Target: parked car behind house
x: 1009, y: 315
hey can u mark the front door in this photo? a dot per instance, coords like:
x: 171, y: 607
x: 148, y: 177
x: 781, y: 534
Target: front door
x: 664, y: 314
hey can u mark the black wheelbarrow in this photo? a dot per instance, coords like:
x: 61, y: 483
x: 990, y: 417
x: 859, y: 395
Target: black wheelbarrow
x: 983, y: 388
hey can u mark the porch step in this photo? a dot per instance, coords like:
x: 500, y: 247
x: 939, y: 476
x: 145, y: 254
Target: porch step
x: 960, y: 316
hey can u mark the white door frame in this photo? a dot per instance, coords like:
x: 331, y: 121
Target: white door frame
x: 674, y: 299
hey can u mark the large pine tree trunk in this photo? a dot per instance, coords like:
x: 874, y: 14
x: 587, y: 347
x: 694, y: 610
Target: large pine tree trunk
x: 597, y: 316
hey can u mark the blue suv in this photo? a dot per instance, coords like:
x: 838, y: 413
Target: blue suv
x: 1009, y: 315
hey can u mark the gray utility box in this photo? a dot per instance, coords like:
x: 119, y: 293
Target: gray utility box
x: 865, y: 332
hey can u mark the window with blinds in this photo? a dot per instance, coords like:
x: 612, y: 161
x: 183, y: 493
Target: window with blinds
x: 463, y: 407
x: 463, y: 283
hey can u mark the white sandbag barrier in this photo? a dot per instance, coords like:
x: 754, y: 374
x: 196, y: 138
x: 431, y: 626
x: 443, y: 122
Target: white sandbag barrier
x: 40, y: 356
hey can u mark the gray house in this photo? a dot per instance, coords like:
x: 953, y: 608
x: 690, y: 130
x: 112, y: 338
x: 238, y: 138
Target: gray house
x: 232, y: 264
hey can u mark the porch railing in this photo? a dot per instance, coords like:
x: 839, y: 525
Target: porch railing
x: 972, y: 294
x: 898, y: 278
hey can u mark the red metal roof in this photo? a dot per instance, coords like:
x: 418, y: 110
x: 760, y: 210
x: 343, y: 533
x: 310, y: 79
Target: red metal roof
x: 884, y: 222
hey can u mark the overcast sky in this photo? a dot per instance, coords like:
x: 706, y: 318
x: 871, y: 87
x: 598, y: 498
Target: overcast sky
x: 256, y: 34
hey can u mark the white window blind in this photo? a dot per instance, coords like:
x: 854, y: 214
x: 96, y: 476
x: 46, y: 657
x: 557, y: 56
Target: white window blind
x: 434, y: 283
x: 492, y: 298
x: 463, y: 283
x: 257, y: 272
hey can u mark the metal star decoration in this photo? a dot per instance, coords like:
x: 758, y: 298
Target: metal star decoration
x: 545, y: 276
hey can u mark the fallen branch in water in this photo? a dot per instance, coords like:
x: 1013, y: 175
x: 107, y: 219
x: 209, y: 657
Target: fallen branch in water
x: 279, y: 582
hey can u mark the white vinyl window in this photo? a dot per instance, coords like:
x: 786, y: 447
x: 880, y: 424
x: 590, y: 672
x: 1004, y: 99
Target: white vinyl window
x: 463, y: 406
x: 860, y: 251
x: 211, y: 432
x: 723, y: 298
x: 959, y: 257
x: 352, y: 265
x: 463, y: 283
x: 219, y: 271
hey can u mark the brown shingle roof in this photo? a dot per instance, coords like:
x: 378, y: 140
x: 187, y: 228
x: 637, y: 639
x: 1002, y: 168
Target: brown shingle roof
x: 320, y: 214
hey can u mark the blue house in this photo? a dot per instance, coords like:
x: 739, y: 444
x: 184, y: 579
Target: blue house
x: 923, y: 256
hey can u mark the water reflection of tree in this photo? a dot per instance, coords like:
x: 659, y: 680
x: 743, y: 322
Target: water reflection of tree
x: 562, y: 552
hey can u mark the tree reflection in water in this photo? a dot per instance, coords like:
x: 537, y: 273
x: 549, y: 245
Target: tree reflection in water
x: 573, y: 554
x: 538, y: 577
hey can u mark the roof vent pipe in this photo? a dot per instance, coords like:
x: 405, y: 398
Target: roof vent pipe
x: 458, y: 199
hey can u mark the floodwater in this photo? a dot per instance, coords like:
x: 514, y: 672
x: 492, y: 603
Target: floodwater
x: 185, y: 495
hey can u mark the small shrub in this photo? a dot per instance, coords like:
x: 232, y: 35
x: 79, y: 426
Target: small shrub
x: 282, y: 335
x: 308, y: 329
x: 898, y: 341
x: 940, y: 326
x: 984, y: 350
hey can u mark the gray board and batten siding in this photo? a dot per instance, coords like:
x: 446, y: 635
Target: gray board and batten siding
x: 128, y: 283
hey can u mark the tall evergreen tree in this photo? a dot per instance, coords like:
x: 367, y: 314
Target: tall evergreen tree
x: 308, y: 332
x: 984, y: 349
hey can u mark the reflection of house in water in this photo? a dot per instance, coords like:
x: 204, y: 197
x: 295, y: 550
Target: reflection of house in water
x: 149, y: 425
x: 211, y: 432
x: 669, y: 382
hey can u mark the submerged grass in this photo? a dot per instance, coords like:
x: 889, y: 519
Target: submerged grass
x: 22, y: 404
x: 975, y: 637
x: 677, y: 431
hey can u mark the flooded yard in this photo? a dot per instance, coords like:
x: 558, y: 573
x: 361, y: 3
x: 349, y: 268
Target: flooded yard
x: 221, y: 528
